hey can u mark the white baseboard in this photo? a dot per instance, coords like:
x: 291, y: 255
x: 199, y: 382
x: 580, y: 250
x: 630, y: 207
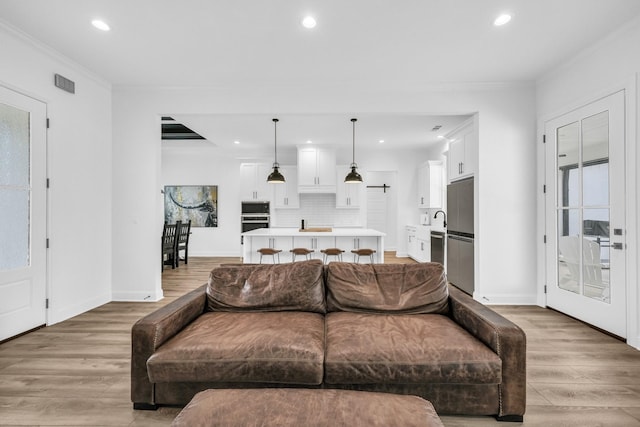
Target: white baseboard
x: 506, y: 299
x: 56, y: 315
x: 402, y: 255
x: 136, y: 296
x: 634, y: 342
x: 208, y: 254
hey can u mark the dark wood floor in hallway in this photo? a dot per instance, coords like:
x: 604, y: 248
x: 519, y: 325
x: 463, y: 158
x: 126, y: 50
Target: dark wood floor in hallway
x: 76, y: 373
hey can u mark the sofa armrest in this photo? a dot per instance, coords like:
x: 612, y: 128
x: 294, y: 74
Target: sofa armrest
x: 150, y: 332
x: 506, y: 339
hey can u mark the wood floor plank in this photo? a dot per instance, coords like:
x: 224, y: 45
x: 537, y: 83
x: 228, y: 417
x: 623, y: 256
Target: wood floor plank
x: 59, y: 385
x: 56, y: 411
x: 69, y: 366
x: 555, y: 416
x: 594, y: 395
x: 77, y: 372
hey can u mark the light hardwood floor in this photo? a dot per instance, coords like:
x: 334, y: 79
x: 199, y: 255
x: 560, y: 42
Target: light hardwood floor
x: 77, y: 372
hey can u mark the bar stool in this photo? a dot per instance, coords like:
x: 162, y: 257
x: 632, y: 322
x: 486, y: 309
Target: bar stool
x: 363, y: 252
x: 336, y: 252
x: 270, y: 251
x: 302, y: 252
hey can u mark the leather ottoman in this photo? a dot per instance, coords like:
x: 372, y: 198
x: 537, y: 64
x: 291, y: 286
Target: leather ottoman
x: 305, y: 407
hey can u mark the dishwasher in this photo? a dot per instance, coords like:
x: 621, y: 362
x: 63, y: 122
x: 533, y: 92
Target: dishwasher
x: 437, y: 246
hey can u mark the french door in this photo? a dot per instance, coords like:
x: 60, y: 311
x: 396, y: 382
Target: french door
x: 22, y: 213
x: 585, y: 214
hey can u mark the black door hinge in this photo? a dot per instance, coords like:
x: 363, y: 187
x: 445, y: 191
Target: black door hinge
x: 545, y: 238
x: 47, y: 243
x: 545, y: 289
x: 544, y: 188
x: 46, y: 303
x: 48, y: 123
x: 544, y: 139
x: 47, y: 182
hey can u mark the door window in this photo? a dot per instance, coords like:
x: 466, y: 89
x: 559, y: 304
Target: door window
x: 15, y: 188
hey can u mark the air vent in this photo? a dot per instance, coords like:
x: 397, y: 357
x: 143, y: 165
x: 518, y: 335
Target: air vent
x: 436, y: 127
x: 174, y: 131
x: 64, y: 83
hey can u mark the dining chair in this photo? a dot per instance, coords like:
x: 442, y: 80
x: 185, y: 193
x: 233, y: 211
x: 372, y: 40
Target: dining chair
x: 169, y: 244
x: 184, y: 231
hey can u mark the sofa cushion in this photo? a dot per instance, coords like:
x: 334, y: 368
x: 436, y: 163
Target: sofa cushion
x: 278, y: 287
x: 380, y: 288
x: 420, y: 348
x: 277, y: 347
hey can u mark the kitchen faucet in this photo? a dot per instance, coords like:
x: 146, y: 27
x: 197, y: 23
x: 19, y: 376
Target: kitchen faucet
x: 445, y: 217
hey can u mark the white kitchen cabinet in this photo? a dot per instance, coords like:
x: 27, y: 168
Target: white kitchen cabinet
x: 412, y: 242
x: 419, y: 243
x: 286, y: 194
x: 287, y: 238
x: 317, y: 243
x: 423, y: 250
x: 347, y: 195
x: 463, y: 144
x: 285, y: 244
x: 316, y: 170
x: 430, y: 184
x: 253, y: 182
x: 349, y: 243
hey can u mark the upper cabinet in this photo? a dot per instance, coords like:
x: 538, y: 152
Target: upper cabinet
x: 286, y: 195
x: 253, y: 182
x: 430, y: 184
x: 347, y: 195
x: 316, y: 170
x: 463, y: 144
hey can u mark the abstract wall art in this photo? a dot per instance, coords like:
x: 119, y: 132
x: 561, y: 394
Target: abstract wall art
x: 198, y: 203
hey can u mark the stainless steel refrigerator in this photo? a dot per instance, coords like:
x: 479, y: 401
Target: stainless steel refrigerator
x: 460, y: 235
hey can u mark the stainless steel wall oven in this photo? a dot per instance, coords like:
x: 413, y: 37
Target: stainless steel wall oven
x: 255, y: 215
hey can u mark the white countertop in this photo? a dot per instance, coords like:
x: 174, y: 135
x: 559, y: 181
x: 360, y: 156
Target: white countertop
x: 294, y: 232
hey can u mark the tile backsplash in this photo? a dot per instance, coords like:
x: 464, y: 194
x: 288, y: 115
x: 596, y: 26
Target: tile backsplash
x: 317, y: 210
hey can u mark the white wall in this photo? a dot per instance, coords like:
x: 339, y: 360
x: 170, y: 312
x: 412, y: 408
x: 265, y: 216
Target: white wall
x: 207, y: 167
x: 79, y: 167
x: 610, y: 65
x: 506, y: 169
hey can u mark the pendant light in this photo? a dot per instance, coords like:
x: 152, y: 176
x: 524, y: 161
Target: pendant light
x: 353, y: 177
x: 275, y: 177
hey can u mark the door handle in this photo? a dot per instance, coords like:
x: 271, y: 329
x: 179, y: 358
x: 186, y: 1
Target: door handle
x: 618, y: 246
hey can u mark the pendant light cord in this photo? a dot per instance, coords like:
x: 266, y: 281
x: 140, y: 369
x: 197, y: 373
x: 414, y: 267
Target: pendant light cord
x: 354, y: 141
x: 275, y: 140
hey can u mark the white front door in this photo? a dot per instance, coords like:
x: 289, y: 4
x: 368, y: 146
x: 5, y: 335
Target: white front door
x: 22, y: 213
x: 585, y: 208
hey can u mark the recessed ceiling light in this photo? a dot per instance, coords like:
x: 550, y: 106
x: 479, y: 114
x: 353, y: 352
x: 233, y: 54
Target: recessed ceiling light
x: 381, y: 141
x: 502, y: 19
x: 440, y: 136
x: 309, y: 22
x: 309, y: 141
x: 100, y: 24
x: 236, y: 142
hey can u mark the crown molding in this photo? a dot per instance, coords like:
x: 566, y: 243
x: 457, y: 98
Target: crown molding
x: 52, y: 53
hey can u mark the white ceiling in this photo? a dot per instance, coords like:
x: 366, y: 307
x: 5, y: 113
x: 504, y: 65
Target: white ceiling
x: 239, y: 43
x: 255, y: 132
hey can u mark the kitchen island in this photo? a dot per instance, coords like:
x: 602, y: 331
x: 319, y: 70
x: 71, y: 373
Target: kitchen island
x: 315, y: 239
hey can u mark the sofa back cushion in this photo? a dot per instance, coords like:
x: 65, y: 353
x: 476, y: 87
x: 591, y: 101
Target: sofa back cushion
x: 296, y: 286
x: 385, y: 288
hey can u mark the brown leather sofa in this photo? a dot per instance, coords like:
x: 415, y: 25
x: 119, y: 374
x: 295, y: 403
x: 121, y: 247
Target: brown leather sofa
x: 391, y: 328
